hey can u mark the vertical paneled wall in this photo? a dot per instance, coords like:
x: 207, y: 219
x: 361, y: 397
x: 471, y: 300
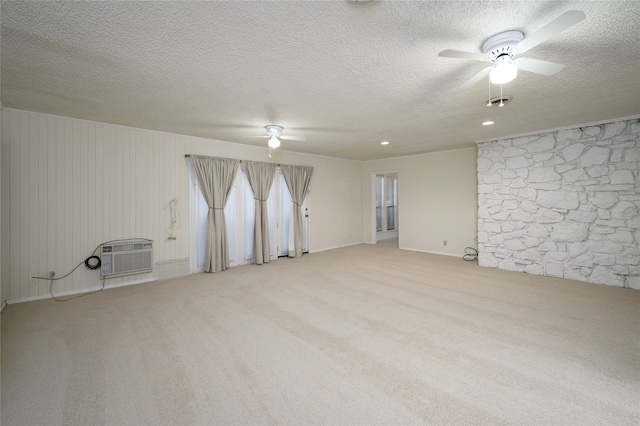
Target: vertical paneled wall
x: 68, y: 185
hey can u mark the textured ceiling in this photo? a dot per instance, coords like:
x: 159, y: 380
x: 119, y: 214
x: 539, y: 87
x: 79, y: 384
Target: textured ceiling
x: 346, y: 75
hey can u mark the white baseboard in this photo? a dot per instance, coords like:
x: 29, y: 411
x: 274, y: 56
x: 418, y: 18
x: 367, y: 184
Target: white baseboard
x: 432, y: 252
x: 186, y: 274
x: 337, y: 247
x: 173, y: 268
x: 425, y: 251
x: 81, y: 291
x: 128, y: 283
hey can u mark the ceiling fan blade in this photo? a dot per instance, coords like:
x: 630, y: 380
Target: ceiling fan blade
x: 294, y: 138
x: 255, y: 136
x: 539, y: 67
x: 554, y: 27
x: 459, y: 54
x: 476, y: 78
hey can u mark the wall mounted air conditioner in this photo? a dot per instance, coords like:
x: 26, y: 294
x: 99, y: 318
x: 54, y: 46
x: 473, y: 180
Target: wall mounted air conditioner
x: 126, y: 257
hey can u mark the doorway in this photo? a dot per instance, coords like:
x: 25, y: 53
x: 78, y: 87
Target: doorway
x: 385, y: 227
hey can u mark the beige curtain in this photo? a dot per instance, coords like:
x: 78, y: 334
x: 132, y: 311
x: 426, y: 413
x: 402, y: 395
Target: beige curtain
x: 297, y: 179
x: 215, y: 177
x: 260, y: 177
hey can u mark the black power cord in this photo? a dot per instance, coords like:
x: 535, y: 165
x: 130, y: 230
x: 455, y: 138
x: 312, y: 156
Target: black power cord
x: 92, y: 262
x: 470, y: 254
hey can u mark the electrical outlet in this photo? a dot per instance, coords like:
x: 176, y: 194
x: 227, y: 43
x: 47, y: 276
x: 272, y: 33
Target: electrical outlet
x: 444, y: 243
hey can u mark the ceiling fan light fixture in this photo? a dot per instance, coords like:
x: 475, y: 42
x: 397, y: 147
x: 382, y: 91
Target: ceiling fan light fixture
x: 504, y: 71
x: 273, y: 130
x: 274, y: 142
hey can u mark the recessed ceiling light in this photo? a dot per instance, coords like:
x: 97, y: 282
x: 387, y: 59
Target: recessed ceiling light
x: 487, y: 123
x: 384, y: 143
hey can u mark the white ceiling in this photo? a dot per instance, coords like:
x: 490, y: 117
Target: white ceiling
x: 345, y: 75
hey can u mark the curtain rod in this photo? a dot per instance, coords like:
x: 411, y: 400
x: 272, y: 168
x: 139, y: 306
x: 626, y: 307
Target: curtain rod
x: 189, y: 156
x: 277, y: 164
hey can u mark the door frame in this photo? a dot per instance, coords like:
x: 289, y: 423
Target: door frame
x: 374, y: 230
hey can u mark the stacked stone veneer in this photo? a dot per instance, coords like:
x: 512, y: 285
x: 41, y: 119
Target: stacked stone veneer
x: 563, y: 204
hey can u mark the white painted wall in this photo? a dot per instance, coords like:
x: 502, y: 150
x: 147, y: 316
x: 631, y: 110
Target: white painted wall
x: 2, y: 282
x: 68, y: 185
x: 3, y: 293
x: 438, y: 200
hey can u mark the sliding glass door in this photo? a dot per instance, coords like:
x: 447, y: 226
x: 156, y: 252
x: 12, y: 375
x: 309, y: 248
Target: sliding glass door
x: 240, y: 221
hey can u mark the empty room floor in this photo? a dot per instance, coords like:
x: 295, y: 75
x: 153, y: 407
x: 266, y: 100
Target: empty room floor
x: 366, y: 334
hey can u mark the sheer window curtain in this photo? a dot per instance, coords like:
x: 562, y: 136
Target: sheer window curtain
x: 297, y: 179
x: 260, y: 177
x: 215, y: 177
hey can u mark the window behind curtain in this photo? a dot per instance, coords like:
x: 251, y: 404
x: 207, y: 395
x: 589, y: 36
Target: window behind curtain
x: 240, y: 219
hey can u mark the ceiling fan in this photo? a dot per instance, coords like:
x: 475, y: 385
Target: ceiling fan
x: 501, y: 48
x: 274, y: 133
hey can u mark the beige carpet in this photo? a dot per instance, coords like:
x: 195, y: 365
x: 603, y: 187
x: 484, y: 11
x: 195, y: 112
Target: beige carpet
x: 391, y: 242
x: 360, y: 335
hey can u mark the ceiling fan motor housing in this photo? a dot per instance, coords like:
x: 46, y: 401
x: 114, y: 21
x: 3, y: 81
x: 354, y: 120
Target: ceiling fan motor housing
x: 502, y: 44
x: 274, y: 130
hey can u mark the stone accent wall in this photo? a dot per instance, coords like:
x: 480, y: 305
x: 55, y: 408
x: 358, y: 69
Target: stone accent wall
x: 563, y: 204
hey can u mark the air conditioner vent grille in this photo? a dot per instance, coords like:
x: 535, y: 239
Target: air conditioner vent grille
x: 127, y: 258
